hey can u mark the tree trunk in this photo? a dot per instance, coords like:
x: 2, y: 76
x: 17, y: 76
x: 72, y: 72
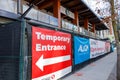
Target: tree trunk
x: 114, y: 24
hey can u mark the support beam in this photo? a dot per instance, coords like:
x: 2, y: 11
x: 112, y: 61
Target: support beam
x: 75, y: 6
x: 92, y: 18
x: 66, y: 2
x: 86, y: 23
x: 93, y: 27
x: 45, y: 4
x: 76, y: 20
x: 19, y: 7
x: 56, y: 11
x: 26, y: 12
x: 86, y: 14
x: 83, y: 10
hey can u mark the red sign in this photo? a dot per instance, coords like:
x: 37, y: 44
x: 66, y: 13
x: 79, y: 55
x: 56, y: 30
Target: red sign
x: 107, y: 47
x: 51, y: 54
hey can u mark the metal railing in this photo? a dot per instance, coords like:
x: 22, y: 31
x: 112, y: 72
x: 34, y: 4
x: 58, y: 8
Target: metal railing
x: 80, y: 30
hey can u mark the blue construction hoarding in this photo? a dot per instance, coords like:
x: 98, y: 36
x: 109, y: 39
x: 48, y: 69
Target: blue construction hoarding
x: 81, y: 49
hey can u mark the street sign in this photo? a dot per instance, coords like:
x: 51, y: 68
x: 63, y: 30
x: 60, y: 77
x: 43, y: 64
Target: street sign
x: 51, y: 54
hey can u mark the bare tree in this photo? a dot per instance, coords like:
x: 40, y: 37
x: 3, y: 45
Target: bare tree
x: 114, y: 9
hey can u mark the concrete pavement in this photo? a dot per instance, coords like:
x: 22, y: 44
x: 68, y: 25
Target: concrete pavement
x: 102, y: 69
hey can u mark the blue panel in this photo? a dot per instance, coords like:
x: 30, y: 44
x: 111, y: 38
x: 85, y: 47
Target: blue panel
x: 81, y: 49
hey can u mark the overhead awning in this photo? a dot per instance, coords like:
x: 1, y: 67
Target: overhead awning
x: 79, y: 5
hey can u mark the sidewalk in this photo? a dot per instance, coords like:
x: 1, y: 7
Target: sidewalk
x: 98, y: 70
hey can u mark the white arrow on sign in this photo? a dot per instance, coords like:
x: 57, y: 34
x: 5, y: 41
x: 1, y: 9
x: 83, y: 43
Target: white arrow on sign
x: 43, y: 62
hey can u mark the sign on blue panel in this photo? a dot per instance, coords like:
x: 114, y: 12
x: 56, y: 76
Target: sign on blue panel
x: 81, y: 49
